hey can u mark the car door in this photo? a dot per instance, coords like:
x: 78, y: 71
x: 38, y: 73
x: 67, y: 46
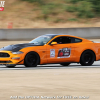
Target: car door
x: 63, y: 51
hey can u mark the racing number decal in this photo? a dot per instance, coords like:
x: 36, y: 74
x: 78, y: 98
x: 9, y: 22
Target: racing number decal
x: 64, y: 53
x: 52, y: 53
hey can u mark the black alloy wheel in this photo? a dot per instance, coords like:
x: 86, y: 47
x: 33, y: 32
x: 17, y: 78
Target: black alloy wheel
x: 87, y: 58
x: 31, y: 59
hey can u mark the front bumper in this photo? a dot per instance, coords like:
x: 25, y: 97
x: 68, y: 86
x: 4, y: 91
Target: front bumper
x: 12, y: 60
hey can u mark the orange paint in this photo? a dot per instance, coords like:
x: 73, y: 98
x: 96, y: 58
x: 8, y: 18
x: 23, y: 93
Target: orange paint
x: 50, y: 53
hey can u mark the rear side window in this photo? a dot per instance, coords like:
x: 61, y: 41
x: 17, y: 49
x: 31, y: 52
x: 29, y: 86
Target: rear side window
x: 76, y: 40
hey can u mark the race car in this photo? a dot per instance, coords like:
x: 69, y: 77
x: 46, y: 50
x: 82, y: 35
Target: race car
x: 51, y: 49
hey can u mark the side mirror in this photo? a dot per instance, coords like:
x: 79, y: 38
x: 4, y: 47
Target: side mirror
x: 53, y: 43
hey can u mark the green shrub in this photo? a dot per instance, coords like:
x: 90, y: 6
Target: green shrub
x: 50, y: 8
x: 35, y: 1
x: 58, y: 20
x: 82, y: 8
x: 85, y: 9
x: 71, y: 8
x: 96, y: 5
x: 72, y: 19
x: 75, y: 1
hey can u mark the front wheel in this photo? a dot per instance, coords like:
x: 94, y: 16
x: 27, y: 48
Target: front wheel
x: 65, y: 64
x: 31, y: 59
x: 87, y: 58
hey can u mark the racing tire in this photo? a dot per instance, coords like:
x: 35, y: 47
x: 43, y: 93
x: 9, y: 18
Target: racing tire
x: 31, y: 59
x: 87, y: 58
x: 65, y: 64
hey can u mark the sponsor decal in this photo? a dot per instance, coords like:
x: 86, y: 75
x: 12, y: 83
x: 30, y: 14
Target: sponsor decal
x: 64, y: 53
x: 2, y: 3
x: 52, y: 53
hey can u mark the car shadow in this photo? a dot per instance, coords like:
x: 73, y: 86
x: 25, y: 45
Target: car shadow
x: 51, y: 67
x: 59, y: 66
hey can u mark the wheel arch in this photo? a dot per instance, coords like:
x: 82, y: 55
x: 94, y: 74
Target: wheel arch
x: 34, y: 52
x: 88, y: 50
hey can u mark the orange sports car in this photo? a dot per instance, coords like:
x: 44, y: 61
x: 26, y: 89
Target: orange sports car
x: 51, y: 49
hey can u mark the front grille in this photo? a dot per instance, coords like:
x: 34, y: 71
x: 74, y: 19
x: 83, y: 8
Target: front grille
x: 5, y: 61
x: 4, y: 55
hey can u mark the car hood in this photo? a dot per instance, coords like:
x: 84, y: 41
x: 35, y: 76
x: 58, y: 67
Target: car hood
x: 17, y: 47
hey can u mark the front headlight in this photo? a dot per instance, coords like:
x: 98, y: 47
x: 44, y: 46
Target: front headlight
x: 18, y: 52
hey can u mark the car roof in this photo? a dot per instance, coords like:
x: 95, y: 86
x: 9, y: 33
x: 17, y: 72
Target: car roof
x: 65, y: 35
x: 56, y: 34
x: 59, y: 34
x: 86, y: 40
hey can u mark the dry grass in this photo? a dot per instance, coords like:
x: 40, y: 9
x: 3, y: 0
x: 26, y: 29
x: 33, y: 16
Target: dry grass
x: 24, y: 15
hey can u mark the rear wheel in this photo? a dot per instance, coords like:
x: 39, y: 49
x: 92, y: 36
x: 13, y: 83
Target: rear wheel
x: 65, y: 64
x: 87, y: 58
x: 31, y: 59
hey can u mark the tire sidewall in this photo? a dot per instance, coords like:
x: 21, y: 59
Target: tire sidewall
x: 82, y: 61
x: 27, y: 64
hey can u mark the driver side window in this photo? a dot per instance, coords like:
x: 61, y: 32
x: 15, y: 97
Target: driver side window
x: 62, y: 40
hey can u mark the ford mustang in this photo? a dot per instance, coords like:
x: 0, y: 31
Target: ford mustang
x: 51, y: 49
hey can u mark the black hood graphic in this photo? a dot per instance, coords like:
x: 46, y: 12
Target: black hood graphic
x: 17, y: 47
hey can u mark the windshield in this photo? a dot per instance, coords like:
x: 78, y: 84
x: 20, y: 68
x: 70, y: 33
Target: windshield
x: 42, y: 40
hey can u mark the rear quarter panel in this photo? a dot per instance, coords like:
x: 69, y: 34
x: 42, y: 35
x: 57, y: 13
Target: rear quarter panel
x: 84, y: 45
x: 97, y: 48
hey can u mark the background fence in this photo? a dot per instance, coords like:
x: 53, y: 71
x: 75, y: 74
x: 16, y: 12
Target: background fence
x: 28, y: 34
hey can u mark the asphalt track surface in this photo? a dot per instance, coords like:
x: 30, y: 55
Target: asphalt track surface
x: 51, y: 66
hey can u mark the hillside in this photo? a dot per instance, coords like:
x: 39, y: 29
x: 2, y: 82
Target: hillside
x: 48, y: 14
